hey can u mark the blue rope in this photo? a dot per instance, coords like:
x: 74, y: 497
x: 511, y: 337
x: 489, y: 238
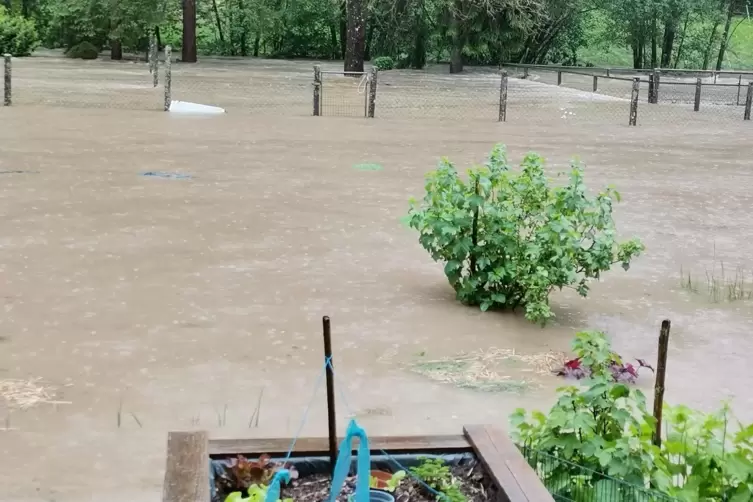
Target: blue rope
x: 436, y: 493
x: 304, y: 418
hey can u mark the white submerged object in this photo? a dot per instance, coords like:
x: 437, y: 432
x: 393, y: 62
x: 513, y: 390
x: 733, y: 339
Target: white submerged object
x: 194, y: 108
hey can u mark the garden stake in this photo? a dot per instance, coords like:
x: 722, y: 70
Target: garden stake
x: 661, y: 373
x: 331, y: 423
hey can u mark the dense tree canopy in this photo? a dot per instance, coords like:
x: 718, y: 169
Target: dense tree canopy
x: 666, y: 33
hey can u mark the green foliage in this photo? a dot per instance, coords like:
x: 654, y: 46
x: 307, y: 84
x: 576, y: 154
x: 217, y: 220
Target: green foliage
x: 384, y: 63
x: 605, y: 428
x: 18, y: 36
x: 437, y: 475
x: 256, y: 493
x: 392, y: 484
x: 507, y: 239
x: 84, y: 50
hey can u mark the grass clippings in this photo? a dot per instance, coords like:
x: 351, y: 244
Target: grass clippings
x: 484, y: 370
x: 25, y: 394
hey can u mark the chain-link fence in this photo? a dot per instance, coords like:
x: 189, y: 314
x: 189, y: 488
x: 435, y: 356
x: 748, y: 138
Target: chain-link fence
x: 570, y: 482
x: 530, y: 94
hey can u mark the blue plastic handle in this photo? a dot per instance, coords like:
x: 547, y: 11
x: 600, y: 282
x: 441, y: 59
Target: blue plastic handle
x: 273, y: 492
x: 342, y: 466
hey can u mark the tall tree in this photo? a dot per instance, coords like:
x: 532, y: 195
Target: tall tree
x: 725, y: 34
x: 189, y: 31
x: 356, y: 36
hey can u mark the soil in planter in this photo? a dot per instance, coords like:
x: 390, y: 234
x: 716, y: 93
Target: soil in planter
x: 471, y: 479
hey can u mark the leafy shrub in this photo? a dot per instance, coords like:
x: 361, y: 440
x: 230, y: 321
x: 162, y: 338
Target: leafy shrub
x: 18, y: 36
x: 84, y: 50
x: 507, y: 239
x: 384, y: 63
x: 606, y: 427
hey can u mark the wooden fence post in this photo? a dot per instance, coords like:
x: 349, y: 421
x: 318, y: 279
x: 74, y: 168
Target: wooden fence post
x: 633, y: 119
x: 739, y: 86
x: 748, y: 102
x: 168, y: 77
x: 317, y: 90
x: 608, y: 75
x: 372, y: 92
x: 657, y: 79
x: 525, y: 72
x: 154, y: 58
x: 596, y: 83
x: 650, y: 98
x: 7, y: 94
x: 661, y: 375
x: 559, y: 78
x: 503, y: 97
x: 697, y: 102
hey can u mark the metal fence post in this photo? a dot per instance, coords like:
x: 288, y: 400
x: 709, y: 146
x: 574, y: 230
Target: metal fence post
x: 317, y: 90
x: 650, y: 98
x: 503, y: 97
x: 657, y: 79
x: 525, y: 72
x: 596, y: 83
x: 633, y: 120
x: 168, y: 77
x: 372, y: 92
x: 748, y: 102
x: 697, y: 102
x: 7, y: 94
x: 559, y: 78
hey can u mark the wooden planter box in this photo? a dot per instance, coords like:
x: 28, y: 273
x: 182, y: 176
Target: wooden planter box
x: 188, y: 455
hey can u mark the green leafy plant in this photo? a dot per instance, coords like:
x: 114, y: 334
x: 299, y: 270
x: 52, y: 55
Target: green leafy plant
x: 597, y: 439
x: 84, y: 50
x: 383, y: 63
x: 435, y: 473
x: 18, y: 36
x: 256, y: 493
x: 389, y: 485
x: 508, y: 239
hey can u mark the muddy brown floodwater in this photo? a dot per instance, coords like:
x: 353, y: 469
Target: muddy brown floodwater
x: 149, y: 304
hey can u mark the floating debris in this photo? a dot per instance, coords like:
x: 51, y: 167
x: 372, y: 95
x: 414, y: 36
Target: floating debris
x: 368, y: 167
x: 480, y: 370
x: 170, y: 176
x: 24, y: 394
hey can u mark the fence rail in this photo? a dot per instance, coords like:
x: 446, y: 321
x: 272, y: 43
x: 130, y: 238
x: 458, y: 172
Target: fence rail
x: 517, y: 93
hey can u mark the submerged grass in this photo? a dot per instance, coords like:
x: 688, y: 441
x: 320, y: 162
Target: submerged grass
x: 719, y: 284
x: 483, y: 370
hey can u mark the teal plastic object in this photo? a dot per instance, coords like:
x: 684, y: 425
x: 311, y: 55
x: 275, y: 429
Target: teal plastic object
x: 342, y: 466
x: 273, y: 492
x: 380, y: 496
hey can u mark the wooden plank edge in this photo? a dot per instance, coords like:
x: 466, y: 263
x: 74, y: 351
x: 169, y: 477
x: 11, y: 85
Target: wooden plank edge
x: 187, y: 467
x: 319, y: 445
x: 504, y: 462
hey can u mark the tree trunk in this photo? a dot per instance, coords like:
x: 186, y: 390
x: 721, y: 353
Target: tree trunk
x: 25, y: 8
x: 334, y: 50
x: 159, y: 38
x: 189, y: 31
x: 418, y: 55
x: 116, y: 50
x: 257, y: 41
x: 654, y: 45
x: 682, y: 40
x: 356, y: 43
x: 218, y: 21
x: 343, y: 27
x: 725, y: 35
x: 369, y: 42
x: 668, y: 41
x: 244, y: 28
x: 707, y: 52
x: 458, y: 43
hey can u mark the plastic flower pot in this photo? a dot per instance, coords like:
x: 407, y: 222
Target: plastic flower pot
x: 381, y: 477
x: 380, y: 496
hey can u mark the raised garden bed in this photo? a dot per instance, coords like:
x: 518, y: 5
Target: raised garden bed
x: 482, y: 464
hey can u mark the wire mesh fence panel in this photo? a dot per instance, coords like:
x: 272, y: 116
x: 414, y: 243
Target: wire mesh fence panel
x: 410, y: 94
x: 569, y: 482
x: 532, y: 101
x: 55, y: 81
x: 244, y: 88
x: 344, y: 95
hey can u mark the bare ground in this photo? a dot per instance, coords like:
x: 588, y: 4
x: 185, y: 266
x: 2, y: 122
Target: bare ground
x: 150, y: 304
